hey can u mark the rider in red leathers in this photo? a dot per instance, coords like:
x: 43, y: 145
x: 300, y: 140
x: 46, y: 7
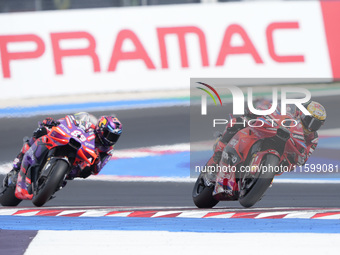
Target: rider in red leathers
x: 311, y: 123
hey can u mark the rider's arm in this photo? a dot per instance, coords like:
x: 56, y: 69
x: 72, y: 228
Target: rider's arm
x: 94, y: 169
x: 235, y: 124
x: 49, y: 122
x: 44, y: 127
x: 104, y: 158
x: 312, y: 141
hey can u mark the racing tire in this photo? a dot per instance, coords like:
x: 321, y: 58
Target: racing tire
x: 8, y: 198
x: 202, y: 195
x: 262, y: 183
x: 51, y: 184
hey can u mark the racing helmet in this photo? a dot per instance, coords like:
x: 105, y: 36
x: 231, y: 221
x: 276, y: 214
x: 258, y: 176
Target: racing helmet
x: 108, y: 130
x: 317, y: 118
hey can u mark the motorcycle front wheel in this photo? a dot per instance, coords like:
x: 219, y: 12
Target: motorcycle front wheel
x: 252, y: 192
x: 51, y: 184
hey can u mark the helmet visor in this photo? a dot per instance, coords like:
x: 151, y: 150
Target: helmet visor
x: 110, y: 137
x: 312, y: 124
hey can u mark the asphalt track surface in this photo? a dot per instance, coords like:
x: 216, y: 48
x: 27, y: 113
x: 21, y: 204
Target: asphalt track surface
x: 150, y: 194
x: 159, y: 126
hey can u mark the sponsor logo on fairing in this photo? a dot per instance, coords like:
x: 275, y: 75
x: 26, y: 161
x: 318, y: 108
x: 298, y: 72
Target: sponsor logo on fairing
x: 64, y: 128
x: 91, y: 137
x: 89, y: 145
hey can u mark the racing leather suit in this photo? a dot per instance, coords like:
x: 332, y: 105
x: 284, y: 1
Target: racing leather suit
x: 311, y: 139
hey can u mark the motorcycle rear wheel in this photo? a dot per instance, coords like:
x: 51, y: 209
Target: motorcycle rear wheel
x: 51, y: 184
x: 8, y: 198
x: 202, y: 195
x: 262, y: 183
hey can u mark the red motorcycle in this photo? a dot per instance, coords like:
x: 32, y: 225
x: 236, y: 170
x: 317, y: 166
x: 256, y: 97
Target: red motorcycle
x: 269, y: 146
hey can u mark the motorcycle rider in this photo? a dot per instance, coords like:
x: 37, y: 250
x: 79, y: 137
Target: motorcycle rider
x: 107, y: 131
x: 310, y: 123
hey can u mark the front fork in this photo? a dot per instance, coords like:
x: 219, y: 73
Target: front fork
x: 226, y: 186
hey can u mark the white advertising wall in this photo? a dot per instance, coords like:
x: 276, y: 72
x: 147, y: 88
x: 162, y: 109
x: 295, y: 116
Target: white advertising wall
x: 158, y: 48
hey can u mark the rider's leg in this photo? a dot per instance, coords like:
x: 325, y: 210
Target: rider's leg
x: 221, y: 143
x: 11, y: 177
x: 17, y: 161
x: 27, y: 144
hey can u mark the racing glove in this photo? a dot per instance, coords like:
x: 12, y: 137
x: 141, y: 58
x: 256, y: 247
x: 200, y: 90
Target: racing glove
x: 87, y: 169
x: 301, y: 160
x: 86, y: 172
x: 50, y: 122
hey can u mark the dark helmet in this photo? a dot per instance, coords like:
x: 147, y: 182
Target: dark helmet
x: 108, y: 130
x: 317, y: 118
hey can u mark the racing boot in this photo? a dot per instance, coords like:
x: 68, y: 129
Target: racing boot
x: 212, y: 165
x: 11, y: 177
